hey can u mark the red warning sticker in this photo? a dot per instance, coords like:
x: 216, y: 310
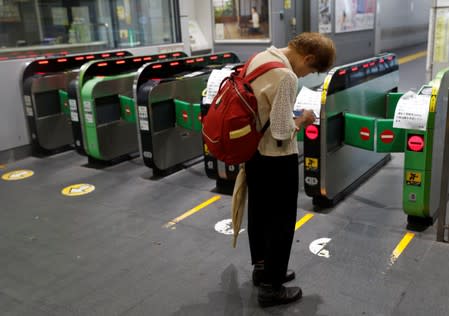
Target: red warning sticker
x: 312, y: 132
x: 364, y: 133
x: 387, y: 136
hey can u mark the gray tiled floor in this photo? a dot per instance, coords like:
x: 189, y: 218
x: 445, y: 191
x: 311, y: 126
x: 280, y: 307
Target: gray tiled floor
x: 108, y: 253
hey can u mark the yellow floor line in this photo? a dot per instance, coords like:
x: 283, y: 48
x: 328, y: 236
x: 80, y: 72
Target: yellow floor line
x: 401, y: 246
x: 409, y: 58
x: 192, y: 211
x: 303, y: 220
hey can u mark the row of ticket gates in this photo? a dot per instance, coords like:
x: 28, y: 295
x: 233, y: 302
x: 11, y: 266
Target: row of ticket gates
x: 112, y: 106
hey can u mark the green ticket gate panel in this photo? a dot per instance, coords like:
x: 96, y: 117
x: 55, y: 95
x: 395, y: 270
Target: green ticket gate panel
x: 44, y: 86
x: 64, y: 102
x: 423, y: 158
x: 197, y: 126
x: 417, y: 173
x: 184, y: 114
x: 359, y: 131
x: 389, y: 139
x: 357, y: 92
x: 108, y: 67
x: 188, y: 115
x: 127, y: 109
x: 169, y: 109
x: 373, y: 134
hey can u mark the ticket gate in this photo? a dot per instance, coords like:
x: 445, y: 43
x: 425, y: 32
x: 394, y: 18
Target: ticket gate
x: 423, y: 149
x: 168, y: 98
x: 354, y: 112
x: 44, y: 89
x: 423, y: 157
x: 224, y: 174
x: 74, y: 94
x: 107, y: 116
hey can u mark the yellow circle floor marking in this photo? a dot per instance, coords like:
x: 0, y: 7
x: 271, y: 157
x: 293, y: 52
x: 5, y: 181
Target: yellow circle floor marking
x: 78, y: 189
x: 17, y: 175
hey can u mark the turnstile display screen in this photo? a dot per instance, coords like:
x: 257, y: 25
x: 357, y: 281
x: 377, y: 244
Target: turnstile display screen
x: 163, y: 114
x: 108, y: 109
x: 47, y: 103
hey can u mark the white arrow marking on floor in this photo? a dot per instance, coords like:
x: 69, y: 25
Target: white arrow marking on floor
x: 317, y: 247
x: 225, y: 227
x: 18, y: 175
x: 80, y: 189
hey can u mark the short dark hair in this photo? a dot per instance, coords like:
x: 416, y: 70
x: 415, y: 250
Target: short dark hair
x: 318, y: 45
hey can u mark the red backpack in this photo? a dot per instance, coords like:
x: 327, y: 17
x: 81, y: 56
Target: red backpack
x: 229, y: 127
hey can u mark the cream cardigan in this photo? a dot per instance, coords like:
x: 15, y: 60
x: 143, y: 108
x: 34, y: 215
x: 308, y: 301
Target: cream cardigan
x: 276, y: 92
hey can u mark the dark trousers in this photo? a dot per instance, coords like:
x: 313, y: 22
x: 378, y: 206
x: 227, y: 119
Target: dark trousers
x: 272, y: 203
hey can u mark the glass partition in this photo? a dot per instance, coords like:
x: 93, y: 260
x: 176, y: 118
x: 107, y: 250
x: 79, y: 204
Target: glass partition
x: 31, y: 28
x: 241, y: 20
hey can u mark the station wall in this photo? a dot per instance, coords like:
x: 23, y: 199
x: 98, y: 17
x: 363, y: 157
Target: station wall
x: 401, y: 23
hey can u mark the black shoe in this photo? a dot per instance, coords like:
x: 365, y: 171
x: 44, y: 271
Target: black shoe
x: 259, y: 273
x: 269, y: 296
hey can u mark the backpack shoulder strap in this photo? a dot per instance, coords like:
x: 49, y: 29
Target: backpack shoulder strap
x: 263, y: 69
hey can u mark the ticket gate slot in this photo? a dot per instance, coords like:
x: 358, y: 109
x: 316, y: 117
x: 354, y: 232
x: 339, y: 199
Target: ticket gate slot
x: 104, y: 70
x: 169, y: 109
x: 352, y: 92
x: 44, y: 83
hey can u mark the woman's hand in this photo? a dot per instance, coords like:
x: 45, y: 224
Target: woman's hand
x: 307, y: 118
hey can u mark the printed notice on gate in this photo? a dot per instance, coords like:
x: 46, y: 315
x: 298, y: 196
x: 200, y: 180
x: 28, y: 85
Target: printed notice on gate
x: 213, y: 84
x: 308, y: 99
x: 412, y: 111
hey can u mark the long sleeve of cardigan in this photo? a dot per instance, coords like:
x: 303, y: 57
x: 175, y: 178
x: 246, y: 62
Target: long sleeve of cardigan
x: 282, y: 124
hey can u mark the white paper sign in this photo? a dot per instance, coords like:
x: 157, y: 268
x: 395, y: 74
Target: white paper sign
x: 73, y: 110
x: 143, y: 113
x: 412, y: 111
x: 29, y: 111
x: 27, y: 100
x: 308, y: 99
x: 74, y: 116
x: 144, y: 126
x: 87, y: 106
x: 215, y: 78
x: 89, y: 118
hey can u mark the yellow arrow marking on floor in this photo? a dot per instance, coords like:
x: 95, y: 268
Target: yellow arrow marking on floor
x: 303, y: 220
x: 401, y: 247
x: 192, y: 211
x: 409, y: 58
